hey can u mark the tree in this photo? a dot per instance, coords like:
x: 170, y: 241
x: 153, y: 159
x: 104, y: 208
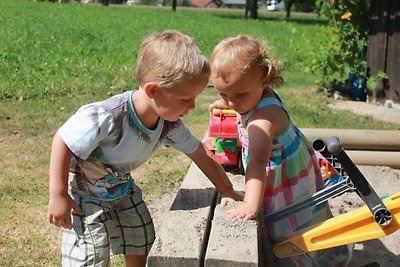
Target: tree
x: 251, y: 9
x: 288, y: 6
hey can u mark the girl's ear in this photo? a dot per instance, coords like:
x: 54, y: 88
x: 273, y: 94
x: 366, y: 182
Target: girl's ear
x: 266, y: 82
x: 151, y: 89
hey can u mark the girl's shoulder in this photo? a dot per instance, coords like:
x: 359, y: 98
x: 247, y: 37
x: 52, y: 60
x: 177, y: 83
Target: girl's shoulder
x: 269, y: 101
x: 263, y: 104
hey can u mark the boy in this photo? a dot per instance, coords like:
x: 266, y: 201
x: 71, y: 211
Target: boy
x: 103, y: 142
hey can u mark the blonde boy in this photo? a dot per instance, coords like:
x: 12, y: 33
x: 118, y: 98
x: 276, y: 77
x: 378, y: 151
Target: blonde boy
x: 94, y: 152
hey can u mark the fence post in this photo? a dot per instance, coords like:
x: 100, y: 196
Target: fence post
x: 393, y: 51
x: 377, y: 41
x: 384, y: 46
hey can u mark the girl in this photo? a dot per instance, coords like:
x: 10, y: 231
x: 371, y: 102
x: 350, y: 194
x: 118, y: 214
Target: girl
x: 281, y: 167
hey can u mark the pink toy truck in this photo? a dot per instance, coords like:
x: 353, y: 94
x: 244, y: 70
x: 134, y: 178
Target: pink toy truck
x: 223, y: 139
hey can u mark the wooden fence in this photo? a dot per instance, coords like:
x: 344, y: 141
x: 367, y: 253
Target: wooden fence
x: 384, y: 46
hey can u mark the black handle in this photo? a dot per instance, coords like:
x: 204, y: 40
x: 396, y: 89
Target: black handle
x: 381, y: 214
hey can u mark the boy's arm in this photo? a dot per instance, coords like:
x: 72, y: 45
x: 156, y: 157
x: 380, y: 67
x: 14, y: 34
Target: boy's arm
x: 60, y: 203
x: 205, y: 160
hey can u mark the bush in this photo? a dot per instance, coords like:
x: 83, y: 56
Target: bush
x: 344, y: 51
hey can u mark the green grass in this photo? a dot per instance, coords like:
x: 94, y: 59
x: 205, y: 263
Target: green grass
x: 56, y: 57
x: 63, y: 49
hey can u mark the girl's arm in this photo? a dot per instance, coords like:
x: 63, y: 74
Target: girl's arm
x: 262, y: 127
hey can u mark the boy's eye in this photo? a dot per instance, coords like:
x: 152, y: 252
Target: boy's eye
x: 186, y: 100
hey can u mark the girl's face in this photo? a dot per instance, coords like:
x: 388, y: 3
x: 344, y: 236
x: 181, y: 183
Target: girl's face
x: 241, y: 91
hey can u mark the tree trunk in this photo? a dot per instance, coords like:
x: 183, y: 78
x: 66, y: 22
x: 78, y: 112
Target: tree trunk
x: 251, y: 9
x: 288, y: 6
x: 174, y: 4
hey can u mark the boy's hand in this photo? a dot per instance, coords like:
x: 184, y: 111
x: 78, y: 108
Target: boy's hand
x: 230, y: 196
x: 219, y: 104
x: 59, y: 212
x: 243, y: 211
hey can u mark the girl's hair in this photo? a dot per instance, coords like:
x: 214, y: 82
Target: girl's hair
x: 171, y: 58
x: 243, y: 53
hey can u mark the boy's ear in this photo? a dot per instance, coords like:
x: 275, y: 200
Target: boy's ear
x: 151, y: 89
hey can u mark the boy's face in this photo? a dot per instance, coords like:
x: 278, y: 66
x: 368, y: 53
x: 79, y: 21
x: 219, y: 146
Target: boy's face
x: 173, y: 103
x: 239, y: 91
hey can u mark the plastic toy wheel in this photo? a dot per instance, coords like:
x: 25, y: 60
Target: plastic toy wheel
x: 383, y: 217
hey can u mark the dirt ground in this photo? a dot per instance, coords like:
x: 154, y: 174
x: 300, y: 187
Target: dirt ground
x: 387, y: 111
x: 384, y: 252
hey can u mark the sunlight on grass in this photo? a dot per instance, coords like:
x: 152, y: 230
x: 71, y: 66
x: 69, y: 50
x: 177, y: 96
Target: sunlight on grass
x: 55, y: 58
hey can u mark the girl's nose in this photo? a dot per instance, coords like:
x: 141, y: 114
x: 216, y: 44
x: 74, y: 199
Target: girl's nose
x: 232, y: 102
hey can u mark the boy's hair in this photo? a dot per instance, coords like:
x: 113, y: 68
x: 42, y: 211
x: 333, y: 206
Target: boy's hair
x: 243, y: 53
x: 170, y: 58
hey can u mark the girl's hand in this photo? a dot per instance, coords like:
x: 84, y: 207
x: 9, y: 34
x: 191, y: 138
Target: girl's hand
x: 243, y: 211
x: 218, y: 104
x: 59, y: 211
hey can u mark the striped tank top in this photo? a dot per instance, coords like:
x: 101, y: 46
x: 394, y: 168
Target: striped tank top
x: 294, y: 167
x: 297, y: 175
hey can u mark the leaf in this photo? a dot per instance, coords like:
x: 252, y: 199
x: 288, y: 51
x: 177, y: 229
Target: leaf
x: 372, y: 83
x: 382, y: 75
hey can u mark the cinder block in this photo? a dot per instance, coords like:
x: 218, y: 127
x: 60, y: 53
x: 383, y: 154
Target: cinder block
x: 180, y: 241
x: 231, y: 243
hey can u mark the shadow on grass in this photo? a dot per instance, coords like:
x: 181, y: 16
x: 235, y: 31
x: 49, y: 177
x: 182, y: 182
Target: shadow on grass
x: 278, y: 17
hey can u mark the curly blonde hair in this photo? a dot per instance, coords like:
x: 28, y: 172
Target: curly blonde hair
x: 171, y: 58
x: 243, y: 53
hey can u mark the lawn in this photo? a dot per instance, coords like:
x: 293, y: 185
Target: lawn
x: 56, y: 57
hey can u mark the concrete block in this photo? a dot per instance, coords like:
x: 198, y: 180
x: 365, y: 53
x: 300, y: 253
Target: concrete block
x: 231, y: 243
x: 195, y: 232
x: 184, y: 232
x: 240, y: 243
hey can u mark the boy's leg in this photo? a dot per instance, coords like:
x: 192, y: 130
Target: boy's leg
x: 134, y: 227
x: 86, y: 244
x: 135, y: 260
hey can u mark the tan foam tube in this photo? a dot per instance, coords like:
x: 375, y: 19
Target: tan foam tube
x: 379, y: 140
x: 375, y: 158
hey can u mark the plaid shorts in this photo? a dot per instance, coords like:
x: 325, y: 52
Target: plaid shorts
x: 123, y: 227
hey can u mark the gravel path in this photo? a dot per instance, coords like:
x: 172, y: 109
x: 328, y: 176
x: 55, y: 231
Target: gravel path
x: 389, y: 112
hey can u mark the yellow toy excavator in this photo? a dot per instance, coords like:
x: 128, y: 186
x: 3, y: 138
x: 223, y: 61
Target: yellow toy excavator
x: 378, y: 218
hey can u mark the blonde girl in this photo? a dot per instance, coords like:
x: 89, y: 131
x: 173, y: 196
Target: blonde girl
x: 281, y: 167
